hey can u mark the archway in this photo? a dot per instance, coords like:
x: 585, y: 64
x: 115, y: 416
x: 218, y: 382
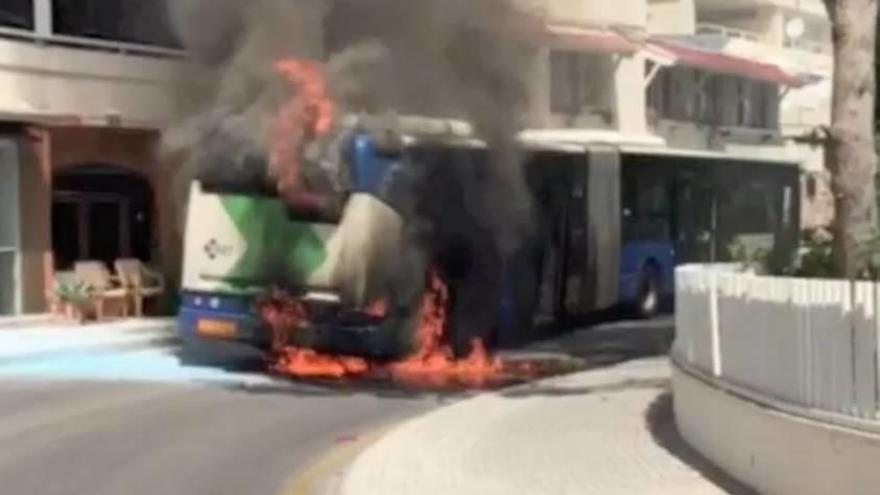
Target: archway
x: 101, y: 212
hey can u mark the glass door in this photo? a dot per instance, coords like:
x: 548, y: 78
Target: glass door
x: 696, y: 219
x: 10, y: 296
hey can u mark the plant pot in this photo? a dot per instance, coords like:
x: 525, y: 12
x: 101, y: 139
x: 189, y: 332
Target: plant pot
x: 73, y: 312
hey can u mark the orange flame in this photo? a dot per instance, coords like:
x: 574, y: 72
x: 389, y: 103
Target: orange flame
x: 378, y: 309
x: 433, y: 363
x: 313, y: 106
x: 308, y: 115
x: 306, y: 363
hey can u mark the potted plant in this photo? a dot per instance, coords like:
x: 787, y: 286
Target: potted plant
x: 74, y: 298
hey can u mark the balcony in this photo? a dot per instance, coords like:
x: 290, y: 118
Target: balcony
x: 809, y: 8
x: 623, y: 12
x: 811, y: 46
x: 806, y: 52
x: 694, y: 108
x: 59, y: 70
x: 708, y: 29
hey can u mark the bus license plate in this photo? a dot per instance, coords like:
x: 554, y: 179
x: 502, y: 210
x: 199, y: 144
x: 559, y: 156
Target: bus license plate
x: 217, y: 328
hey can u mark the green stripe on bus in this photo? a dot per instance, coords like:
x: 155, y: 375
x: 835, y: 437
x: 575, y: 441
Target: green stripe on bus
x: 273, y: 239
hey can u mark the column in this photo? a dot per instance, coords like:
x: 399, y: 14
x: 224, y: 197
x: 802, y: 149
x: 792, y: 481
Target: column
x: 630, y: 96
x: 43, y: 18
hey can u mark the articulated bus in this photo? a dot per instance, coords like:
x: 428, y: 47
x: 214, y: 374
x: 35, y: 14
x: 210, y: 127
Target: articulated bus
x: 612, y: 219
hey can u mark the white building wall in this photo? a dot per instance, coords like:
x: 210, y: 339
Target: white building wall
x: 672, y: 17
x: 757, y: 29
x: 625, y: 12
x: 630, y: 95
x: 624, y: 75
x: 42, y: 81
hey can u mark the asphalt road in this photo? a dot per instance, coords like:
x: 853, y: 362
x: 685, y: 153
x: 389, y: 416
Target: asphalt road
x: 100, y: 438
x: 143, y: 421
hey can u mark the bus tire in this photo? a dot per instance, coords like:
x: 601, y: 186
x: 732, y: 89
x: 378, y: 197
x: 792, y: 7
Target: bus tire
x: 649, y: 297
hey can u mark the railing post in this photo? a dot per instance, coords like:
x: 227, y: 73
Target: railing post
x: 876, y: 356
x: 713, y: 323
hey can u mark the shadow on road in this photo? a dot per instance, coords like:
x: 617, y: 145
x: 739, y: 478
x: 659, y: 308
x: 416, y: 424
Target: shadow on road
x: 661, y: 423
x: 606, y: 343
x: 613, y: 342
x: 350, y: 388
x: 550, y: 390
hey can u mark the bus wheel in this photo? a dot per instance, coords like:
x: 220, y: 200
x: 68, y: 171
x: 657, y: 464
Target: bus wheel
x: 649, y: 298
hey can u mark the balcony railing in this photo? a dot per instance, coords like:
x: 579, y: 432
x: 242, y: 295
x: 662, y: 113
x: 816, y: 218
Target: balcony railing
x: 808, y: 45
x: 805, y: 44
x: 118, y: 47
x: 705, y: 28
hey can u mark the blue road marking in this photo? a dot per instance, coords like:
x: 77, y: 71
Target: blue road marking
x: 149, y: 365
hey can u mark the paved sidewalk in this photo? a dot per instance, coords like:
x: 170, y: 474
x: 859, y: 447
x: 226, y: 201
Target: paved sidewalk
x: 606, y: 431
x: 35, y: 337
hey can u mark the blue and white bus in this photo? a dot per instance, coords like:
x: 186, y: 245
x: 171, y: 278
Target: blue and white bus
x: 612, y: 217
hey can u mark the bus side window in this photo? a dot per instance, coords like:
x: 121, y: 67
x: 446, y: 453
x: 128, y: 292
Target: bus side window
x: 647, y: 209
x: 629, y: 210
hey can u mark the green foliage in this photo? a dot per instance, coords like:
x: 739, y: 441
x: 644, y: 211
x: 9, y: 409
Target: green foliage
x: 77, y: 293
x: 814, y: 258
x: 751, y: 258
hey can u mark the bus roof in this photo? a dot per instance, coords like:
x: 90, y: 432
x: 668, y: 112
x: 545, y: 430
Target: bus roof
x: 584, y: 138
x: 783, y: 156
x: 414, y: 130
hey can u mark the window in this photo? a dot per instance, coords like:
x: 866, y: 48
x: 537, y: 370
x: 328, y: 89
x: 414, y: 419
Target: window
x: 134, y: 21
x: 578, y: 81
x: 647, y: 207
x: 749, y: 208
x: 767, y: 112
x: 678, y: 91
x: 659, y: 92
x: 743, y: 102
x: 655, y: 94
x: 686, y: 94
x: 17, y: 14
x: 706, y: 98
x: 697, y: 101
x: 757, y: 104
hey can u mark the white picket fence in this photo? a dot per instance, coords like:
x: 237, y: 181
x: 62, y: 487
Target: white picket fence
x: 811, y: 343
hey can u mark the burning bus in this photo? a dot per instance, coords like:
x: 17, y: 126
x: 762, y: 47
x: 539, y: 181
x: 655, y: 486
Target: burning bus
x: 338, y: 242
x: 610, y: 218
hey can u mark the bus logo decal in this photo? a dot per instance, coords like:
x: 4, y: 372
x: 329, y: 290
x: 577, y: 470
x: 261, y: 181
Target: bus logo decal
x: 215, y: 250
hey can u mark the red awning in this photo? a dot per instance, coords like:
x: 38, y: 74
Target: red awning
x: 558, y: 35
x: 715, y: 61
x: 588, y: 39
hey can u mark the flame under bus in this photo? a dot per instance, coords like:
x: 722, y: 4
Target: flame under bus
x: 611, y: 221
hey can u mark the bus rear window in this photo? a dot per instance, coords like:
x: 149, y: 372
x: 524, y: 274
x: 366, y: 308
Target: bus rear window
x: 246, y: 176
x: 317, y: 208
x: 236, y: 187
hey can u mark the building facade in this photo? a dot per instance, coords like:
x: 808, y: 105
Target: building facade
x: 738, y: 76
x: 85, y: 87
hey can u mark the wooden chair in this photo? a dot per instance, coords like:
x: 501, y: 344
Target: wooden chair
x: 103, y: 284
x: 141, y: 282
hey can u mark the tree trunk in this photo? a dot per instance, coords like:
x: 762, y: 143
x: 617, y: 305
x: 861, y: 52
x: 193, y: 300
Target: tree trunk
x: 850, y: 151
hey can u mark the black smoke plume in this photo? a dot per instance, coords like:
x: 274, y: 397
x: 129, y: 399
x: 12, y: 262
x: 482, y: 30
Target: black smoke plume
x: 465, y: 59
x: 439, y: 58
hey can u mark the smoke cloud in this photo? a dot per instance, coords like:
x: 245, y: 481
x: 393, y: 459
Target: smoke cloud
x: 440, y: 58
x: 464, y: 59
